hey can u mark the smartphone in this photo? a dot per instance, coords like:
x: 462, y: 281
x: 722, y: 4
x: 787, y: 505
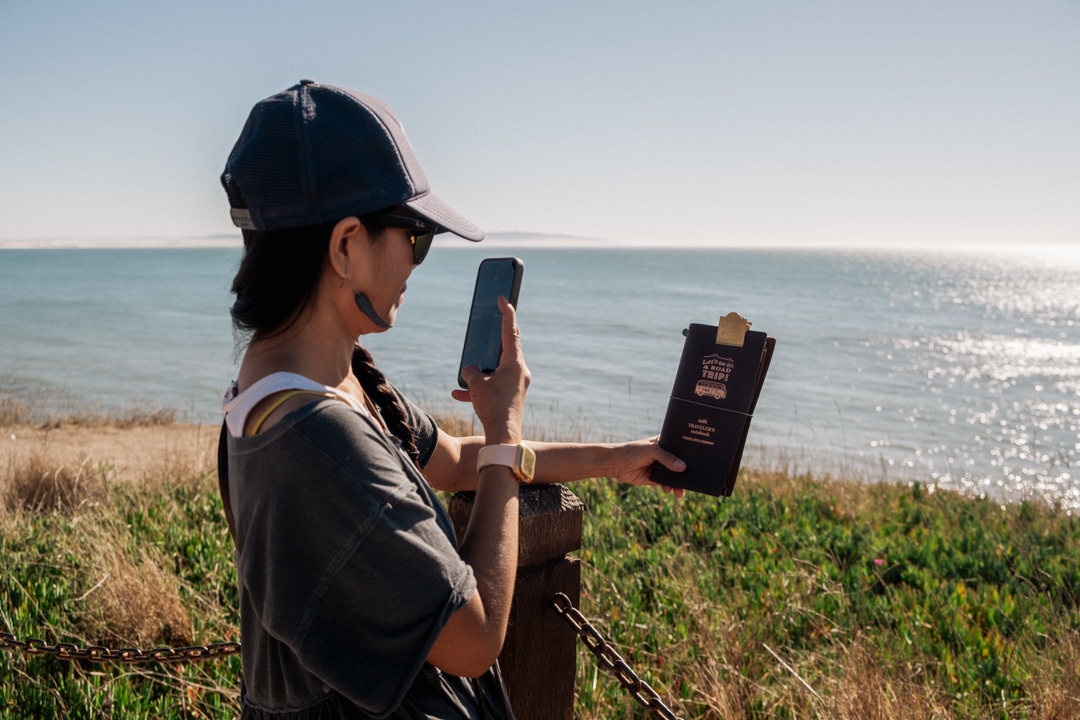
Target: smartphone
x: 483, y: 338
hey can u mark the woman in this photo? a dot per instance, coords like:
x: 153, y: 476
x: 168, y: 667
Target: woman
x: 355, y: 601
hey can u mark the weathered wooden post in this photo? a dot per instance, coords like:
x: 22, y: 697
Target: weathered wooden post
x: 539, y: 658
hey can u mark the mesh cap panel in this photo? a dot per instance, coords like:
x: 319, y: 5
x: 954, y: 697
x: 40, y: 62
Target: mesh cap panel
x: 316, y: 153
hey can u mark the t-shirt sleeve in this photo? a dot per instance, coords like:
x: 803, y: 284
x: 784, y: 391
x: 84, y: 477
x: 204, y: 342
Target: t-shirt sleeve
x: 425, y: 431
x: 355, y: 574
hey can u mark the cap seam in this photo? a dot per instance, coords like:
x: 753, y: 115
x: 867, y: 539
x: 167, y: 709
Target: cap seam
x: 308, y: 174
x: 389, y: 135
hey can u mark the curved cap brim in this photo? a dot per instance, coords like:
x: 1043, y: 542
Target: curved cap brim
x: 430, y: 207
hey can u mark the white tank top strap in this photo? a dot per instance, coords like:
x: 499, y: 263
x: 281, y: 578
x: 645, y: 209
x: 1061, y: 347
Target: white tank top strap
x: 237, y: 405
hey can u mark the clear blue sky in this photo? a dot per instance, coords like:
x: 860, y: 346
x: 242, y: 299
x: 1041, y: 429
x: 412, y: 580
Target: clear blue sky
x: 646, y: 122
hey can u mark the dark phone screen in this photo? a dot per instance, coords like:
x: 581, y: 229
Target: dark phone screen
x: 483, y: 341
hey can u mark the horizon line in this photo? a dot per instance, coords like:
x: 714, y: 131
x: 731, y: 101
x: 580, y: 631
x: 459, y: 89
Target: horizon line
x: 540, y: 240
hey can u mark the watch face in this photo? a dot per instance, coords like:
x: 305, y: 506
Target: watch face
x: 527, y: 462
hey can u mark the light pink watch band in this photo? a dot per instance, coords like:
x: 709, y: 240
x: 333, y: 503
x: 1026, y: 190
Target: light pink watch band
x: 496, y: 455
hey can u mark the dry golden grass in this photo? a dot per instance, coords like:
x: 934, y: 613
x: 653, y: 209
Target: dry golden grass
x: 458, y: 424
x: 1057, y: 693
x: 14, y: 411
x: 850, y: 685
x: 132, y: 593
x: 720, y: 690
x: 44, y: 484
x: 136, y: 601
x: 18, y: 411
x: 866, y: 692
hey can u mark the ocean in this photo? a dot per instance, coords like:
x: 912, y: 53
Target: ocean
x: 959, y: 370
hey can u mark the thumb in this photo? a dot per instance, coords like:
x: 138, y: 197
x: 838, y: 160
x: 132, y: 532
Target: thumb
x: 667, y: 459
x: 469, y: 372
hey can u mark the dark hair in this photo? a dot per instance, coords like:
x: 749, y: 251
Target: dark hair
x: 274, y: 286
x: 277, y: 279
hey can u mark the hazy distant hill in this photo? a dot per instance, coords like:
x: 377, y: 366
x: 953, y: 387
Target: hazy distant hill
x: 526, y: 239
x: 224, y: 240
x: 493, y: 239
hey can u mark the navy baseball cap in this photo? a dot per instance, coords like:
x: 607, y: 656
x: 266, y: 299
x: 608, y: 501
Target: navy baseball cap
x: 316, y: 153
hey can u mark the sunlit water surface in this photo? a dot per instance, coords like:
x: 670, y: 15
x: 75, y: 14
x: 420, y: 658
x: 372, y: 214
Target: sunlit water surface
x: 960, y: 370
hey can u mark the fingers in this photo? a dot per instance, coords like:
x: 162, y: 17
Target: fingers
x: 668, y: 489
x: 461, y: 395
x: 653, y: 451
x: 669, y: 461
x: 498, y: 398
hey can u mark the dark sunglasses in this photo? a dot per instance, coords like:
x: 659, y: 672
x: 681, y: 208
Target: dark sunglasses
x: 421, y: 232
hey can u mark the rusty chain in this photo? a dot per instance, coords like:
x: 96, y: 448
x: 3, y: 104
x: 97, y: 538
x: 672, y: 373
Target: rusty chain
x: 610, y: 659
x: 97, y: 653
x: 594, y: 641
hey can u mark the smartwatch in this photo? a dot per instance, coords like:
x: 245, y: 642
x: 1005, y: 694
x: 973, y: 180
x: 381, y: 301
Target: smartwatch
x: 519, y: 458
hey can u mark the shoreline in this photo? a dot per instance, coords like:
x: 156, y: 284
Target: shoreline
x: 133, y: 451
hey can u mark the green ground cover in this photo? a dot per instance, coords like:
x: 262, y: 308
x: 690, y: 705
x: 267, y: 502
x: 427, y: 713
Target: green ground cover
x: 796, y: 598
x: 171, y: 580
x: 884, y: 601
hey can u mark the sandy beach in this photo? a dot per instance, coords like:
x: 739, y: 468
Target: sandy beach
x: 126, y: 453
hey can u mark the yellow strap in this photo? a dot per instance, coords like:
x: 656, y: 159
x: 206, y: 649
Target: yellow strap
x: 277, y: 403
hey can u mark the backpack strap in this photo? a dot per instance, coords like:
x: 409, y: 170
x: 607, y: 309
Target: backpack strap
x: 281, y: 401
x: 223, y: 477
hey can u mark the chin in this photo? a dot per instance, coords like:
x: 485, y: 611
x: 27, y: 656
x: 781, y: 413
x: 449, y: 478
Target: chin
x: 373, y: 329
x: 377, y: 329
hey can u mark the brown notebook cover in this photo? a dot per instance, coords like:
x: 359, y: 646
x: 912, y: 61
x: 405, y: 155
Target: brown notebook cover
x: 708, y: 415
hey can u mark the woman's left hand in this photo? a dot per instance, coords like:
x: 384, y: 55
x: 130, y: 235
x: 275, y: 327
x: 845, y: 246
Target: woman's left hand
x: 634, y: 462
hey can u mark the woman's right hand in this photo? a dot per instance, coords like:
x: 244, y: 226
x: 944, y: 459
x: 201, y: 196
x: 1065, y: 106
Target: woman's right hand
x: 473, y: 637
x: 499, y: 398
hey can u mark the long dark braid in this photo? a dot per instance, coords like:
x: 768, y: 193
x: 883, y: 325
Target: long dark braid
x: 376, y: 387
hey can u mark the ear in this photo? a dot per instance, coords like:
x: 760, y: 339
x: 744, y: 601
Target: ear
x: 341, y: 249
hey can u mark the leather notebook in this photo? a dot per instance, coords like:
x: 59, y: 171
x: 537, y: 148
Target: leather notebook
x: 716, y: 389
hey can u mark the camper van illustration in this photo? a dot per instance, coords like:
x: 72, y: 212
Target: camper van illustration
x: 710, y: 388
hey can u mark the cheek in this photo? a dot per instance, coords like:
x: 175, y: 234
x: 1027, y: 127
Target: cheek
x: 395, y: 263
x: 390, y: 258
x: 404, y: 258
x: 407, y: 254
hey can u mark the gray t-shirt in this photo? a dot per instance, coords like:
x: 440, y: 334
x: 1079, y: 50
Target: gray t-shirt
x: 348, y: 571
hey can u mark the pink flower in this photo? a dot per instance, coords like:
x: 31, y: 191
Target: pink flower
x: 879, y: 561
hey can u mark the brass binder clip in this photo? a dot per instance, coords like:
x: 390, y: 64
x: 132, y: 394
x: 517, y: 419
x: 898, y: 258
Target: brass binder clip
x: 732, y: 330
